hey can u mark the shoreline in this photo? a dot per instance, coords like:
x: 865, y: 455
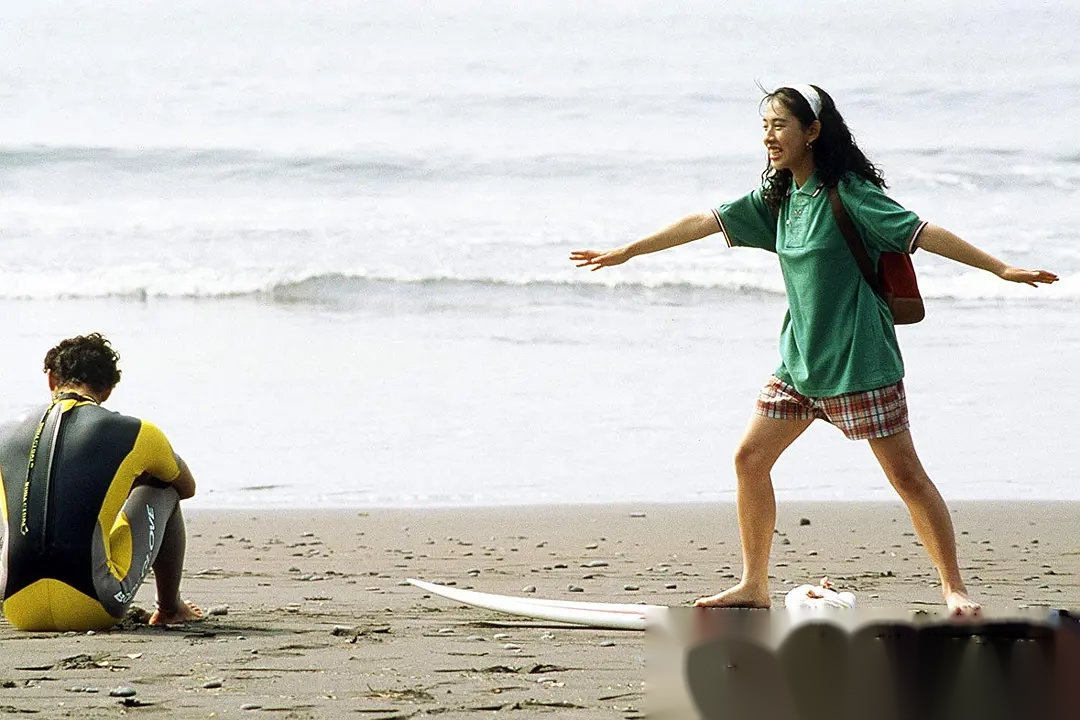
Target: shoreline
x: 319, y: 623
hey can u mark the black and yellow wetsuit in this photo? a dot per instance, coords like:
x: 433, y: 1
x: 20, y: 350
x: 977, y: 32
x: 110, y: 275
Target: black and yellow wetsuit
x: 72, y: 557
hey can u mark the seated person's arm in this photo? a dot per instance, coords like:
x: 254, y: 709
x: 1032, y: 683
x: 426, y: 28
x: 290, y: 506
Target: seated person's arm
x: 184, y: 482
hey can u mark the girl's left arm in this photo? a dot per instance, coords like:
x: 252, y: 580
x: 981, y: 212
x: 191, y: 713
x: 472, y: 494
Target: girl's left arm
x: 940, y: 241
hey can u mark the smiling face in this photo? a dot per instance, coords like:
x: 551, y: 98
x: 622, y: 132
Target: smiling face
x: 787, y: 141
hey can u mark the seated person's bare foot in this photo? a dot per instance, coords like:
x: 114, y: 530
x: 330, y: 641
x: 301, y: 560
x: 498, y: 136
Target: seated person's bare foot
x: 739, y: 596
x: 185, y: 612
x: 960, y: 604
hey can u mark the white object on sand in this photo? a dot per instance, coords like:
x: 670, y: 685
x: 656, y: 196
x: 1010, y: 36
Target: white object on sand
x: 821, y: 595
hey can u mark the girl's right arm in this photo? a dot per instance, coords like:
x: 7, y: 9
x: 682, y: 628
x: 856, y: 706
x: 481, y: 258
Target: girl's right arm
x: 690, y: 228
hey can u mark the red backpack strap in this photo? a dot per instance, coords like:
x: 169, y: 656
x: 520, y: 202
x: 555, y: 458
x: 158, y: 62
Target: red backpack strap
x: 854, y: 242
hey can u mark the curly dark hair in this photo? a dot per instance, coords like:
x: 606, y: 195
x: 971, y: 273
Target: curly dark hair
x: 835, y: 151
x: 87, y: 360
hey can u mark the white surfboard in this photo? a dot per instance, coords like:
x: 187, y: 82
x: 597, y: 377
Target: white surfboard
x: 619, y: 616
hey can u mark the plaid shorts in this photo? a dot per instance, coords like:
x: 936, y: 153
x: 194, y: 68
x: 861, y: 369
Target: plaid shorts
x: 860, y: 415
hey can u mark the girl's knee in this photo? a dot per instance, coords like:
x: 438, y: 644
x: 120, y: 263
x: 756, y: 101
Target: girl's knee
x: 752, y: 459
x: 911, y: 481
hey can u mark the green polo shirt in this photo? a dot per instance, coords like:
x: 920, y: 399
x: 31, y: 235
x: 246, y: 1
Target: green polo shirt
x: 838, y: 336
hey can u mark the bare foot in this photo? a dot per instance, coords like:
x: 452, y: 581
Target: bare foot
x: 187, y: 612
x: 960, y: 604
x: 739, y: 596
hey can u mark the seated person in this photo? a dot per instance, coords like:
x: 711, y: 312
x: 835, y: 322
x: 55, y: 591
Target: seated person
x: 91, y: 502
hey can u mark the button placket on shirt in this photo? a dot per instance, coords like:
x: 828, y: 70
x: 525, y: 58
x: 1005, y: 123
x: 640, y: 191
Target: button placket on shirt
x: 795, y: 224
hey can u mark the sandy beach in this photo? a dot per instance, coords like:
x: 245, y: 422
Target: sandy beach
x: 312, y: 618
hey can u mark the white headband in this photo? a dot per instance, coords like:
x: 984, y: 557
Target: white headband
x: 812, y: 97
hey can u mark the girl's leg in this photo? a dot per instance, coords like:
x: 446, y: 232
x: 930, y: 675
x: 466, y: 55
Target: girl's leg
x: 929, y: 515
x: 761, y: 446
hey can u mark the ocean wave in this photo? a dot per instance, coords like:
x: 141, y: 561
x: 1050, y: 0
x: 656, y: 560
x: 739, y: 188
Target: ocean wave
x: 660, y: 289
x: 439, y: 292
x: 931, y: 167
x: 435, y: 293
x: 346, y: 167
x: 220, y: 162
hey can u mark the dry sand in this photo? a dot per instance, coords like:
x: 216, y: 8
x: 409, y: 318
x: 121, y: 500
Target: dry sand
x: 320, y: 625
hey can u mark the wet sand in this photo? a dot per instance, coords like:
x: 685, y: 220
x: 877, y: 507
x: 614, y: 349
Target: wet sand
x: 313, y: 619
